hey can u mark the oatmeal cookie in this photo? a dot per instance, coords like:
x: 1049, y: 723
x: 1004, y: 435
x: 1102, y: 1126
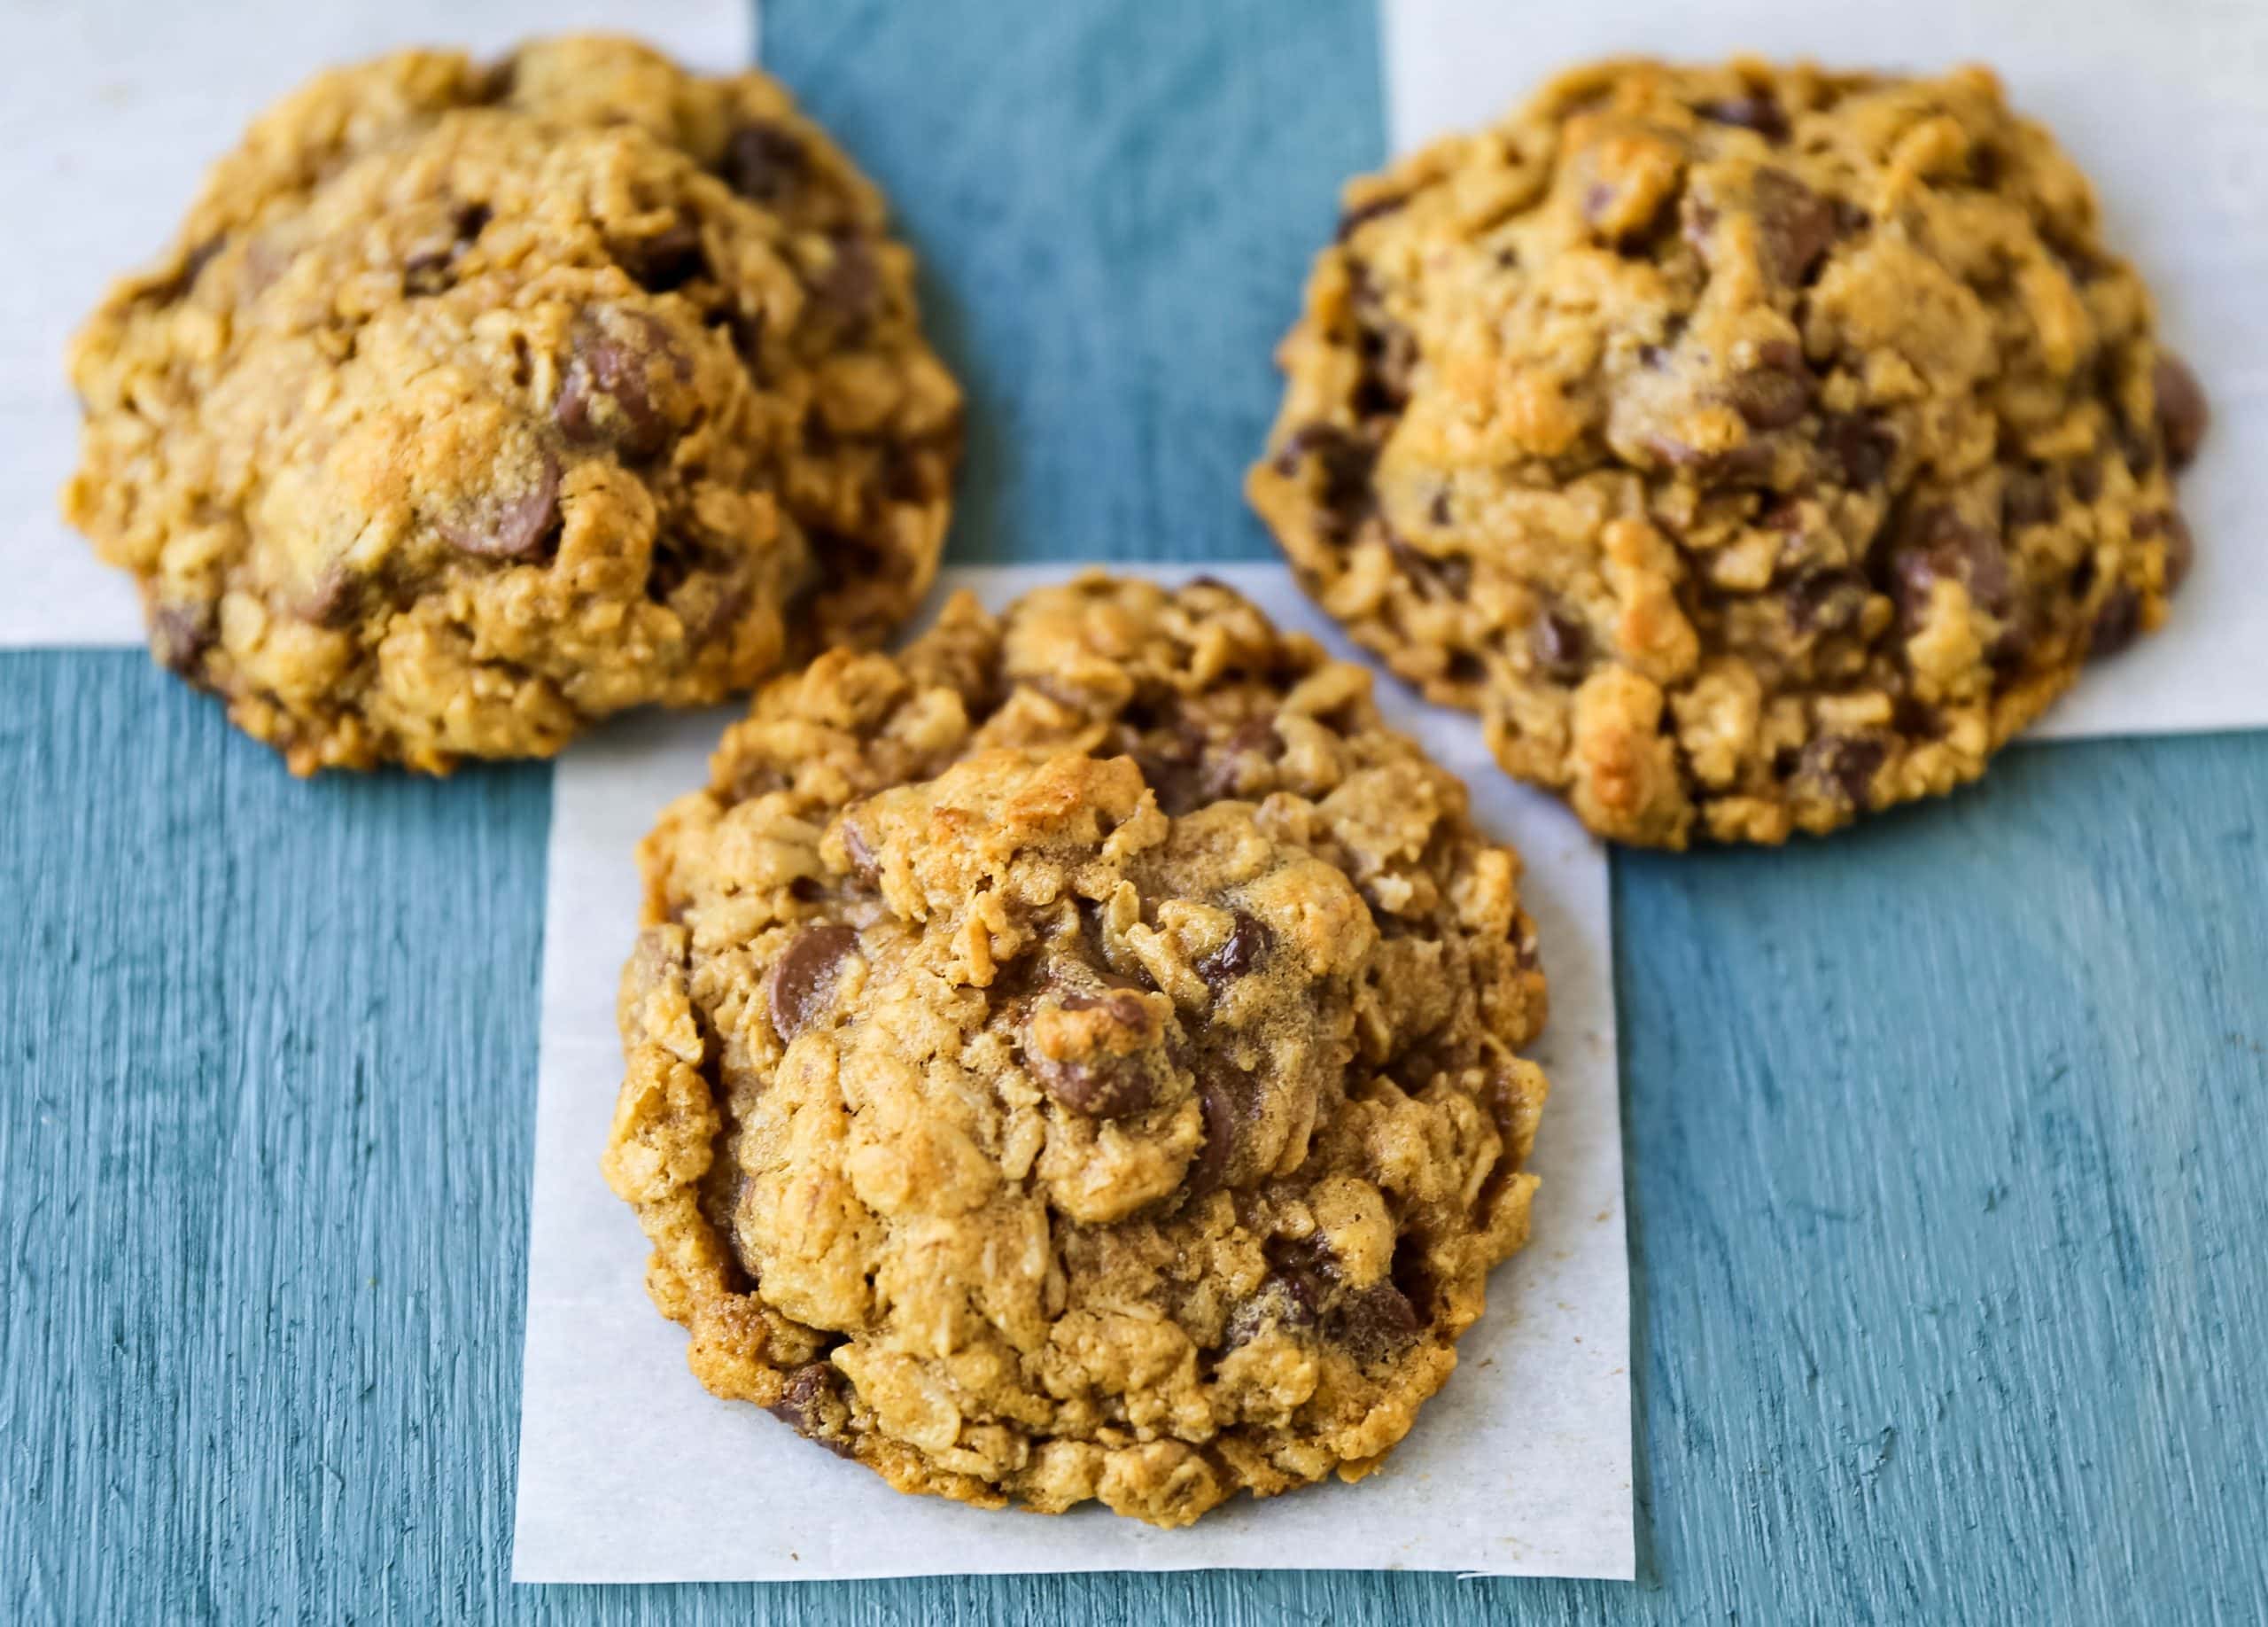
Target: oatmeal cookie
x: 1752, y: 447
x: 472, y: 404
x: 1078, y: 1058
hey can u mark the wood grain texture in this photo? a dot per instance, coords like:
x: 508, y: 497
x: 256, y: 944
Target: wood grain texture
x: 1945, y: 1137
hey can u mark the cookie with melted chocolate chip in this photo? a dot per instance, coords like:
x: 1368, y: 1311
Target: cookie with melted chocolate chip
x: 1752, y: 447
x: 473, y: 404
x: 1080, y: 1058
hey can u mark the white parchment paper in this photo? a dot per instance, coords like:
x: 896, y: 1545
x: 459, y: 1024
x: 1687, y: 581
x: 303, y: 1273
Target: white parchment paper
x: 629, y: 1471
x: 2164, y: 103
x: 110, y: 110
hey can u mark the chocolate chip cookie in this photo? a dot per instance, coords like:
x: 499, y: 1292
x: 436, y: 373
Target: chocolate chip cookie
x: 1079, y: 1058
x: 472, y: 404
x: 1752, y: 447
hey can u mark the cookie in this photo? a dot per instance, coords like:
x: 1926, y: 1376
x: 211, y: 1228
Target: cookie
x: 1753, y: 447
x: 473, y: 404
x: 1079, y: 1058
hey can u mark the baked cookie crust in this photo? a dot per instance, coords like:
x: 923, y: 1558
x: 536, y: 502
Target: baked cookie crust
x: 472, y: 404
x: 1078, y: 1058
x: 1752, y: 447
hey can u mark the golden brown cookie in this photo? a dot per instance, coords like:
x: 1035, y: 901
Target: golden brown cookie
x: 1752, y: 447
x: 472, y: 404
x: 1078, y: 1058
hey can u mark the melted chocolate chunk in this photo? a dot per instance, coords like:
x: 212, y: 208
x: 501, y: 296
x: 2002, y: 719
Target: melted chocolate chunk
x: 800, y: 986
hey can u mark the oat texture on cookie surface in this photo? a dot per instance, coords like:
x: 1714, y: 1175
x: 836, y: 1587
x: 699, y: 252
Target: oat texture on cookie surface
x: 473, y: 403
x: 1752, y: 447
x: 1079, y: 1058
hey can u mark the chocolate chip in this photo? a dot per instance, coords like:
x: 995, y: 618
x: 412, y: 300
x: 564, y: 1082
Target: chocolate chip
x: 1847, y: 763
x: 812, y: 1404
x: 1103, y: 1087
x: 2139, y: 447
x: 1248, y: 939
x: 1388, y: 353
x: 519, y: 526
x: 1439, y: 510
x: 2180, y: 546
x: 2086, y: 480
x: 1224, y: 1117
x: 1860, y: 449
x: 2029, y: 499
x: 181, y: 283
x: 1770, y: 398
x: 1352, y: 219
x: 433, y: 270
x: 1938, y: 543
x: 1561, y: 645
x: 1826, y: 601
x: 863, y: 864
x: 1434, y: 575
x: 2183, y: 414
x: 851, y: 286
x: 607, y: 393
x: 801, y: 984
x: 1757, y: 111
x: 1917, y: 720
x: 1344, y: 462
x: 1653, y: 358
x: 1372, y: 1323
x: 181, y: 634
x: 1256, y: 737
x: 2116, y: 623
x: 669, y: 260
x: 336, y: 599
x: 765, y: 162
x: 1795, y: 225
x: 1284, y: 1300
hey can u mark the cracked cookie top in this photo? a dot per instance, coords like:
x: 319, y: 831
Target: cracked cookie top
x: 1752, y: 447
x: 1078, y: 1058
x: 472, y: 404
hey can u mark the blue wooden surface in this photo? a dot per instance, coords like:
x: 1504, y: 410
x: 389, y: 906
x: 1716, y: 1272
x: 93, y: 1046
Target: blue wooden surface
x: 1947, y: 1139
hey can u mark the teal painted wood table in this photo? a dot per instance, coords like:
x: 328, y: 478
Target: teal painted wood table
x: 1948, y: 1139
